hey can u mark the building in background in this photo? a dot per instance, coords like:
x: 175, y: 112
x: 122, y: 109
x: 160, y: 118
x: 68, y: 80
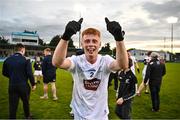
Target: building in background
x: 140, y: 54
x: 26, y: 38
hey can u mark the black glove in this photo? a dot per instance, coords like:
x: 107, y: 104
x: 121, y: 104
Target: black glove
x: 138, y: 70
x: 71, y: 28
x: 115, y: 29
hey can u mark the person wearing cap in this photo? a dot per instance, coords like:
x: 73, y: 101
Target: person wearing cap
x: 154, y: 73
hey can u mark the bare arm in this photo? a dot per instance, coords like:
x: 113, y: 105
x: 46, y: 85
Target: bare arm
x: 59, y: 57
x: 121, y: 61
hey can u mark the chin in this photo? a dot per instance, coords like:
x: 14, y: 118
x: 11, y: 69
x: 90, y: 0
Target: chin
x: 92, y: 55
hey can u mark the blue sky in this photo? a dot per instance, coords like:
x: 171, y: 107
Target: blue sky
x: 144, y: 21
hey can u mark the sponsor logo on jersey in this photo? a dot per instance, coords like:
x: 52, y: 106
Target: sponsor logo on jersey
x: 91, y: 84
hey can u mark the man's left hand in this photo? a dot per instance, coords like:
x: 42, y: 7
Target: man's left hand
x: 115, y: 29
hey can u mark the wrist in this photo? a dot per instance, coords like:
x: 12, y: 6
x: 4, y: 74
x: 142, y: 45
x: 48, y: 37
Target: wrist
x: 66, y: 37
x: 119, y: 37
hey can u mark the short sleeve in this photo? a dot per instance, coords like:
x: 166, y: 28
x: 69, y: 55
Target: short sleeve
x: 108, y: 61
x: 73, y: 60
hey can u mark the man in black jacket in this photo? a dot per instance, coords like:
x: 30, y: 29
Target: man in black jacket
x: 18, y: 70
x: 126, y: 91
x: 155, y: 71
x: 49, y: 74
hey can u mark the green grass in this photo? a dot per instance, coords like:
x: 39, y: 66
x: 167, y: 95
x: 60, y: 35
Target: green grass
x: 49, y: 109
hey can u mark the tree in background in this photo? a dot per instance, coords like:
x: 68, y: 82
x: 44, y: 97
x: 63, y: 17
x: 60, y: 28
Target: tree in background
x: 114, y: 52
x: 55, y: 40
x: 106, y: 49
x: 71, y: 44
x: 3, y: 40
x: 41, y: 42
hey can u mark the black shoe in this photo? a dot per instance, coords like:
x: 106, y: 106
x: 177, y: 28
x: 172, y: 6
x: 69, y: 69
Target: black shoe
x: 29, y: 117
x: 153, y: 110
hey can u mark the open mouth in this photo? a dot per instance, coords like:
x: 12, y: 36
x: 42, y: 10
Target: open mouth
x: 91, y: 50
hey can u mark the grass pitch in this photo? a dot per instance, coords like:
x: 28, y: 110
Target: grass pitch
x: 141, y: 107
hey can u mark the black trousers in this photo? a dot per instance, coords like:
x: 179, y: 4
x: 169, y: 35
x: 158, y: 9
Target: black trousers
x: 124, y: 111
x: 115, y: 83
x: 155, y: 89
x: 16, y: 92
x: 115, y: 77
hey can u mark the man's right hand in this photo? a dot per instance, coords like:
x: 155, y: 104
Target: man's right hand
x: 120, y: 101
x: 72, y: 28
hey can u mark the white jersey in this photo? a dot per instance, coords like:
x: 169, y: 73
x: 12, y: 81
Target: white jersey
x: 133, y: 64
x: 90, y: 94
x: 146, y: 61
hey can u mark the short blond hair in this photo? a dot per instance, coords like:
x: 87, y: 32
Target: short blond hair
x: 93, y: 31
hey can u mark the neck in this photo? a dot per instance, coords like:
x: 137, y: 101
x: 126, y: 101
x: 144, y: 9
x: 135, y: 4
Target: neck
x: 20, y: 52
x: 91, y: 59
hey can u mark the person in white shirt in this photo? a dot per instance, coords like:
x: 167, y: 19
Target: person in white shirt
x: 90, y: 70
x: 134, y: 64
x: 142, y: 85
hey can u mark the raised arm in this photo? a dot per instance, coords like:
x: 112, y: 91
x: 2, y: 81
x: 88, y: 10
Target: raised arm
x: 121, y: 61
x: 59, y: 57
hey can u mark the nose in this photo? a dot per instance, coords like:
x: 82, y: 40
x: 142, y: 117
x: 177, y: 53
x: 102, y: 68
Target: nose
x: 91, y: 42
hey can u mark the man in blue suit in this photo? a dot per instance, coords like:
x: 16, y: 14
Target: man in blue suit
x: 18, y: 70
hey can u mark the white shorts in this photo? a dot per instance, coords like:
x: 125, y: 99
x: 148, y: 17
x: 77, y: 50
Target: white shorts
x: 38, y: 72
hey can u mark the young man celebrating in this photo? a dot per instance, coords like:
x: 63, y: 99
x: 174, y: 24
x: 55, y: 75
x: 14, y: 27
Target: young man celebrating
x: 90, y: 70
